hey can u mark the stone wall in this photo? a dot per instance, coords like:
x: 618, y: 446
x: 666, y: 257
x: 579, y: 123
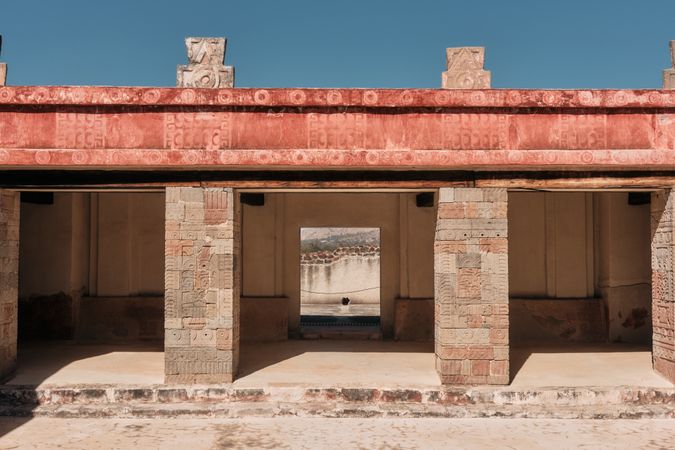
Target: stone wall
x: 471, y: 286
x: 202, y: 279
x: 663, y: 300
x: 9, y: 280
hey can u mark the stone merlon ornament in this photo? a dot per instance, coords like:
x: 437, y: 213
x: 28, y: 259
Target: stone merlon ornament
x: 205, y: 68
x: 669, y: 74
x: 465, y: 69
x: 3, y: 68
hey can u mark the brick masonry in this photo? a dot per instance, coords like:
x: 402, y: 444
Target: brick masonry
x: 663, y: 279
x: 471, y: 286
x: 202, y: 285
x: 9, y: 280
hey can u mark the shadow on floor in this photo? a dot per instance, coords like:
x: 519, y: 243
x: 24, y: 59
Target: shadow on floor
x: 580, y: 364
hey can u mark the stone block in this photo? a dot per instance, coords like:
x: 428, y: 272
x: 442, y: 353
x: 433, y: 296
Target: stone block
x: 205, y: 67
x: 465, y: 69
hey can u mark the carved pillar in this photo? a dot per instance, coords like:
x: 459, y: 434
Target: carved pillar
x: 202, y: 285
x: 205, y: 69
x: 465, y: 69
x: 663, y: 279
x: 471, y: 287
x: 9, y: 280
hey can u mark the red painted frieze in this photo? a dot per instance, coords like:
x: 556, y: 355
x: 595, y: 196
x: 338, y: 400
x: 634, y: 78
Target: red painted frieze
x: 351, y: 128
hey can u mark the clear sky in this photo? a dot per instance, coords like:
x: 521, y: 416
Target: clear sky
x: 342, y: 43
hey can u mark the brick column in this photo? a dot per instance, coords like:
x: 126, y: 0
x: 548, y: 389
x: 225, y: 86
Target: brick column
x: 663, y: 299
x: 9, y: 281
x: 471, y: 287
x: 202, y: 279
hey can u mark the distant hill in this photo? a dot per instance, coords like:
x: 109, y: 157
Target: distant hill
x: 324, y: 239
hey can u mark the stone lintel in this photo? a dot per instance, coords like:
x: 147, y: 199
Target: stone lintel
x: 465, y: 69
x: 205, y: 68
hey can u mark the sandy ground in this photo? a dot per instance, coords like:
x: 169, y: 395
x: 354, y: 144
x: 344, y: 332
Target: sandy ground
x: 320, y: 433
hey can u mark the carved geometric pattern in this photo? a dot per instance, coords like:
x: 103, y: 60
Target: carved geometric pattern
x: 201, y: 285
x: 465, y: 69
x: 663, y: 279
x: 205, y: 69
x: 9, y: 280
x: 669, y: 74
x: 471, y: 286
x: 3, y: 68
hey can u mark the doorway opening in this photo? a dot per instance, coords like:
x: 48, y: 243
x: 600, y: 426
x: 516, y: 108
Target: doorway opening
x: 339, y: 279
x: 580, y: 289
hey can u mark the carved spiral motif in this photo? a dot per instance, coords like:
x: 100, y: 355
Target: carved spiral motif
x: 466, y: 80
x: 187, y: 96
x: 155, y: 157
x: 372, y: 158
x: 298, y: 97
x: 334, y: 97
x: 406, y: 97
x: 549, y: 98
x: 42, y: 157
x: 151, y: 96
x: 79, y: 157
x: 262, y: 97
x: 205, y: 78
x: 225, y: 97
x: 6, y: 94
x: 370, y: 97
x: 441, y: 98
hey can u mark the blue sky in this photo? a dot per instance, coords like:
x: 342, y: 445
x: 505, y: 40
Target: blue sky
x: 342, y: 43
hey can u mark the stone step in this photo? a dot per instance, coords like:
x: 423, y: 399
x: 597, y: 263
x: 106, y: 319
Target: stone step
x: 230, y: 401
x: 359, y: 333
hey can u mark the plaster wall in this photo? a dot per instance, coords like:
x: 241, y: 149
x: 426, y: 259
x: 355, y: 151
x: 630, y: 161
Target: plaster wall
x: 579, y: 267
x: 99, y: 245
x: 624, y: 269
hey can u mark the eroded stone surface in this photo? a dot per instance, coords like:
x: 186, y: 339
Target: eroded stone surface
x: 663, y: 279
x: 9, y: 280
x: 205, y: 69
x: 202, y: 285
x: 471, y: 286
x: 669, y: 74
x: 465, y: 69
x: 3, y: 68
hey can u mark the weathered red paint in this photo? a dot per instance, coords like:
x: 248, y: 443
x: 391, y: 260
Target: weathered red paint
x: 350, y: 128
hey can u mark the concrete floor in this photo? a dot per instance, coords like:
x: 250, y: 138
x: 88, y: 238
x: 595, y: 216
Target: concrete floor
x: 64, y: 362
x: 329, y: 433
x: 335, y: 363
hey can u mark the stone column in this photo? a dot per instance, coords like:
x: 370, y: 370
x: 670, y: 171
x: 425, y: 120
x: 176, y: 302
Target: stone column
x: 202, y: 284
x: 669, y: 74
x: 471, y: 287
x: 9, y: 281
x: 663, y: 299
x: 465, y: 69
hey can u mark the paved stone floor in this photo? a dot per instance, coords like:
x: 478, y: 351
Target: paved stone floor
x: 337, y: 363
x: 303, y: 433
